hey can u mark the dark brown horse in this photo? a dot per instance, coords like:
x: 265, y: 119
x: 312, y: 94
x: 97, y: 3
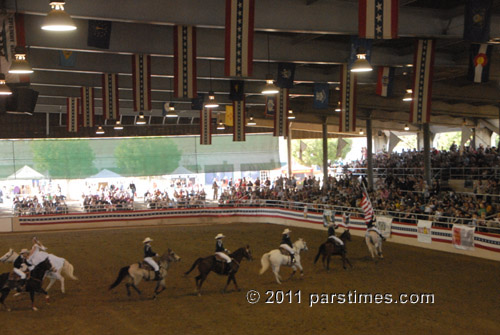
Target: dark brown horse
x: 33, y: 284
x: 329, y: 248
x: 207, y: 264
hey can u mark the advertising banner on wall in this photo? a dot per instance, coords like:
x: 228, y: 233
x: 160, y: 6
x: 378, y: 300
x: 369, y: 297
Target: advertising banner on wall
x: 463, y: 237
x: 424, y: 231
x: 384, y: 225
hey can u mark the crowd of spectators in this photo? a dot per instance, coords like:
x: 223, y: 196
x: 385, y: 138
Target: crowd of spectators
x: 108, y: 198
x: 192, y: 197
x: 37, y: 205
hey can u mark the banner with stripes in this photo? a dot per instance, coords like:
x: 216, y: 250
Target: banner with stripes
x: 239, y: 38
x: 87, y: 111
x: 366, y: 206
x: 239, y: 121
x: 12, y: 35
x: 185, y: 62
x: 110, y: 101
x: 479, y: 63
x: 385, y: 81
x: 347, y: 122
x: 72, y: 106
x: 141, y: 82
x: 280, y: 114
x: 423, y: 67
x: 206, y: 126
x: 378, y: 19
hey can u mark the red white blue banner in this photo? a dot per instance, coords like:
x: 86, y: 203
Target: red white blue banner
x: 88, y: 108
x: 462, y: 237
x: 385, y: 81
x: 206, y: 127
x: 72, y: 106
x: 110, y: 102
x: 423, y: 67
x: 347, y: 122
x: 378, y: 19
x: 239, y: 38
x: 141, y: 81
x: 281, y: 112
x: 239, y: 121
x: 185, y: 62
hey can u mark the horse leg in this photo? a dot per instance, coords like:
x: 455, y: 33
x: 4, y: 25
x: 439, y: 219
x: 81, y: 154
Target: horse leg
x: 276, y: 270
x: 323, y: 261
x: 235, y: 284
x: 294, y: 268
x: 32, y: 297
x: 127, y: 285
x: 328, y: 263
x: 200, y: 282
x: 5, y: 293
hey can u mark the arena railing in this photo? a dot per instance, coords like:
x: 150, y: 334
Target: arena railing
x: 466, y: 173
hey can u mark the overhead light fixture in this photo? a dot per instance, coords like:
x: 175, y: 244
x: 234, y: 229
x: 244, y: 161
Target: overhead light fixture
x: 270, y: 88
x: 4, y: 89
x: 338, y: 109
x: 99, y: 131
x: 290, y: 115
x: 361, y: 64
x: 407, y: 127
x: 211, y: 102
x: 20, y: 65
x: 57, y: 19
x: 170, y: 109
x: 118, y: 125
x: 361, y: 132
x: 221, y: 126
x: 171, y: 112
x: 141, y: 119
x: 408, y: 95
x: 251, y: 121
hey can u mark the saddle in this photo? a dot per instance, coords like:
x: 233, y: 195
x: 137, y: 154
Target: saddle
x: 219, y: 259
x: 15, y: 277
x: 284, y: 252
x: 144, y: 265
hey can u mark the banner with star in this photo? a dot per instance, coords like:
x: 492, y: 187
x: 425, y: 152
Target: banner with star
x: 321, y: 95
x: 286, y: 73
x: 479, y: 63
x: 72, y: 106
x: 206, y: 126
x: 270, y: 108
x: 88, y: 110
x: 239, y: 121
x: 281, y: 111
x: 110, y: 100
x: 185, y: 62
x: 423, y: 67
x: 378, y: 19
x: 141, y: 81
x: 477, y: 20
x: 347, y: 122
x: 239, y: 38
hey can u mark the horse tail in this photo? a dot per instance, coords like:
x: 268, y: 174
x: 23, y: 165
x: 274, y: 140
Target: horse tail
x: 122, y: 274
x: 196, y: 262
x: 320, y: 251
x: 68, y: 269
x: 265, y: 262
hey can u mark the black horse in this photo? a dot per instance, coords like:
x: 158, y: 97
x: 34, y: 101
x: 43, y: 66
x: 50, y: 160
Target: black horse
x: 33, y: 284
x: 329, y: 248
x: 210, y: 263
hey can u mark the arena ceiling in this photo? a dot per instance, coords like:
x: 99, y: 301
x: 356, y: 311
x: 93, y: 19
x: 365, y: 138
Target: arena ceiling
x: 313, y: 34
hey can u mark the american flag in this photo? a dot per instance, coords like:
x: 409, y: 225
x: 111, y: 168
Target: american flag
x: 367, y: 207
x: 378, y: 19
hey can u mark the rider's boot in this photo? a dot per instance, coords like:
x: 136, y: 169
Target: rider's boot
x: 157, y: 275
x: 292, y: 258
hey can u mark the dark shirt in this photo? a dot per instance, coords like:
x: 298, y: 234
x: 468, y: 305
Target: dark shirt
x: 219, y: 247
x: 286, y: 240
x: 20, y: 260
x: 148, y: 251
x: 331, y: 231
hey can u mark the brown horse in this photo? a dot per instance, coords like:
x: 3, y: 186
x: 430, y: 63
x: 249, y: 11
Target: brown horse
x: 329, y: 248
x: 207, y: 264
x: 136, y: 273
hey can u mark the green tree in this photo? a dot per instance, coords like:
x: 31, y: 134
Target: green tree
x: 147, y: 156
x: 445, y: 140
x: 313, y: 152
x: 64, y: 158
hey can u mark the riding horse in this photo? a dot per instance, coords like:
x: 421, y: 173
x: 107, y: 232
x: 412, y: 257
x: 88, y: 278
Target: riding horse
x: 210, y: 263
x: 374, y: 243
x: 330, y: 248
x: 61, y: 266
x: 139, y: 271
x: 33, y: 283
x: 275, y: 258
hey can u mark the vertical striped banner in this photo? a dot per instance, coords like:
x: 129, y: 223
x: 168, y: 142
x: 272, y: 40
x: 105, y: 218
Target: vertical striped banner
x: 281, y: 111
x: 378, y: 19
x: 141, y: 82
x: 87, y: 110
x: 110, y: 102
x: 385, y: 81
x: 347, y: 122
x: 423, y: 67
x: 239, y: 38
x: 239, y: 121
x: 185, y: 62
x: 205, y: 126
x: 72, y: 105
x: 12, y: 34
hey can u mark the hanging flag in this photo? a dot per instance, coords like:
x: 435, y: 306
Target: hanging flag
x: 239, y: 38
x: 340, y: 146
x: 205, y: 127
x: 197, y: 103
x: 393, y: 141
x: 378, y: 19
x: 229, y: 116
x: 87, y: 99
x: 477, y: 20
x: 110, y: 101
x: 321, y: 95
x: 360, y: 45
x: 347, y: 122
x: 185, y: 62
x: 72, y: 106
x: 12, y: 35
x: 67, y: 58
x: 286, y: 73
x: 280, y: 116
x: 366, y: 206
x: 270, y: 109
x: 423, y: 67
x: 385, y: 81
x: 141, y: 82
x: 479, y: 63
x: 237, y: 90
x: 239, y: 121
x: 99, y: 34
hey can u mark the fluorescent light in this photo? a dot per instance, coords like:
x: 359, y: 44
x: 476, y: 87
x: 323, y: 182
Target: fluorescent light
x: 57, y: 19
x: 361, y: 64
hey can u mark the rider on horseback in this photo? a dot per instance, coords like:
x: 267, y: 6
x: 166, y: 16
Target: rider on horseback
x: 333, y: 238
x: 372, y: 227
x: 148, y: 257
x: 221, y: 251
x: 286, y: 243
x: 21, y: 266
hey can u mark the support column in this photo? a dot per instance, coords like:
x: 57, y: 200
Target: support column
x: 325, y: 153
x: 427, y: 154
x: 369, y: 151
x: 289, y: 149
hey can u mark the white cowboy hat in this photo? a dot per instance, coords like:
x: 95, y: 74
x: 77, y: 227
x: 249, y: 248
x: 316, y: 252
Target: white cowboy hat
x: 147, y: 239
x: 219, y: 236
x: 24, y: 251
x: 286, y: 231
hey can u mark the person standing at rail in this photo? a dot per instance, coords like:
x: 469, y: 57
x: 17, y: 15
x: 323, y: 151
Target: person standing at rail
x: 148, y: 257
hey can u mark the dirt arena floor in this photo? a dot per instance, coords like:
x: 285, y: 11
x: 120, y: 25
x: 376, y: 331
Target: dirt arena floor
x: 466, y: 289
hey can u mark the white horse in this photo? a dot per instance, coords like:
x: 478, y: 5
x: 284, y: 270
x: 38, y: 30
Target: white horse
x: 374, y: 243
x: 60, y: 265
x: 275, y: 258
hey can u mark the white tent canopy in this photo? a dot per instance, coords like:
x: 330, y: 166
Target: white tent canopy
x: 106, y: 174
x: 26, y: 173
